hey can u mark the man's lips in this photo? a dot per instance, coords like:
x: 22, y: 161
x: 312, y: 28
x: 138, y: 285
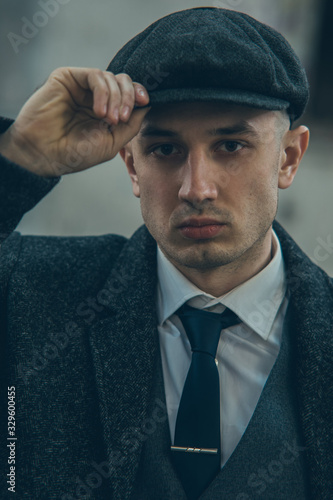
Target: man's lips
x: 201, y: 228
x: 199, y: 222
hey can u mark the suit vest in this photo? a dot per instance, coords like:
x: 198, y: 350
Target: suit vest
x: 268, y: 463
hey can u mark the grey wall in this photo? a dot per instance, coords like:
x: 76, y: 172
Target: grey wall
x: 88, y: 33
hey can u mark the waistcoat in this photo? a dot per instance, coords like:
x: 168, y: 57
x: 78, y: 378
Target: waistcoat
x: 269, y: 461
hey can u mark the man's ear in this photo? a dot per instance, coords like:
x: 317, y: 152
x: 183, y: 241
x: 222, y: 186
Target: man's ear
x: 295, y: 143
x: 127, y: 155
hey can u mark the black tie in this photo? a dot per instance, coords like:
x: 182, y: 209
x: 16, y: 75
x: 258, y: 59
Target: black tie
x: 196, y: 451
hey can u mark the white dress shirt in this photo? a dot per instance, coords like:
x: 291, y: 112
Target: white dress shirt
x: 246, y: 352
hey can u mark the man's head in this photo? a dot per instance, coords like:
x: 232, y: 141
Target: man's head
x: 216, y: 145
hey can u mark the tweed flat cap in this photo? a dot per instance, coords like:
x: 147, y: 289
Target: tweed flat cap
x: 214, y: 54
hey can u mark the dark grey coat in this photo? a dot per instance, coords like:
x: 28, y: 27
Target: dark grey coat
x: 79, y: 342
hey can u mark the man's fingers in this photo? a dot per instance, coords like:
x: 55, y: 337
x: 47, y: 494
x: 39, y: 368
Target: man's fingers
x: 95, y: 81
x: 114, y: 99
x: 113, y: 96
x: 102, y: 84
x: 127, y: 96
x: 131, y: 94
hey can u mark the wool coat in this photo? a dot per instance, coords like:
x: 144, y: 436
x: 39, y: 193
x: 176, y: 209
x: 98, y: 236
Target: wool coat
x: 79, y: 344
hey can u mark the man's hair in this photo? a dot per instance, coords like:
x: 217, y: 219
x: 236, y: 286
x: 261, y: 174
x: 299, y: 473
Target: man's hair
x: 283, y: 123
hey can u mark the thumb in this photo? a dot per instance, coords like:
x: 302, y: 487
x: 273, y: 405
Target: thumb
x: 124, y: 132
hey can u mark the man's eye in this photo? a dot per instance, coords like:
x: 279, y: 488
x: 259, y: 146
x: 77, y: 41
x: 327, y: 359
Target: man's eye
x: 165, y: 150
x: 230, y: 146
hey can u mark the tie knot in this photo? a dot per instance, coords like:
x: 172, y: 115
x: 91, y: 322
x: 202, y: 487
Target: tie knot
x: 203, y: 328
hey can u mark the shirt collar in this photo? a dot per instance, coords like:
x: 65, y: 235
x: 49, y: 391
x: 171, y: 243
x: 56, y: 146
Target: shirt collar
x: 256, y: 301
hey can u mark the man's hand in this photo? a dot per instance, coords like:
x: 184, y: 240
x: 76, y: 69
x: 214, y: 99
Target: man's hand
x: 79, y: 118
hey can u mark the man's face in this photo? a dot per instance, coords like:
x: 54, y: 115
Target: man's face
x: 207, y: 176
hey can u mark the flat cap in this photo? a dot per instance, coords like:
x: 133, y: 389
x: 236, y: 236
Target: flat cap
x: 214, y: 54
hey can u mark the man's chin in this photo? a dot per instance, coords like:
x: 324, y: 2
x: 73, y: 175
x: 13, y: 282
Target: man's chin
x: 201, y: 258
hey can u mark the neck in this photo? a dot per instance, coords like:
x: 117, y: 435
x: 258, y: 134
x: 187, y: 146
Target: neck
x: 221, y: 280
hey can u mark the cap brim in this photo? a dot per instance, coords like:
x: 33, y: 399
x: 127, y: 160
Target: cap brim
x: 239, y: 97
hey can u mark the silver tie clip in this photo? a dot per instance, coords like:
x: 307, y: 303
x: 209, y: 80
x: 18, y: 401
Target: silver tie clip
x: 210, y: 451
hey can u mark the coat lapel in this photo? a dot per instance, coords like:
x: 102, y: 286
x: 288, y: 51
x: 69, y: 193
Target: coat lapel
x: 124, y: 347
x: 311, y: 301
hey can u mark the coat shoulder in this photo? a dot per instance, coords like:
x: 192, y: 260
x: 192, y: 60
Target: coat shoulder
x: 58, y: 260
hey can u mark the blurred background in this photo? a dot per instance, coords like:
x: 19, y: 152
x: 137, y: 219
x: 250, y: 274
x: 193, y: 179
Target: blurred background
x: 40, y: 35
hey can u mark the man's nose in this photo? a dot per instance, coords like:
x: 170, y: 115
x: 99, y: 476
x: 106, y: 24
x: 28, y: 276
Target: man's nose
x: 198, y: 181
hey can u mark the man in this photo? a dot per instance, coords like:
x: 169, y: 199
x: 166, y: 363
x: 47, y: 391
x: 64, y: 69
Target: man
x: 107, y: 341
